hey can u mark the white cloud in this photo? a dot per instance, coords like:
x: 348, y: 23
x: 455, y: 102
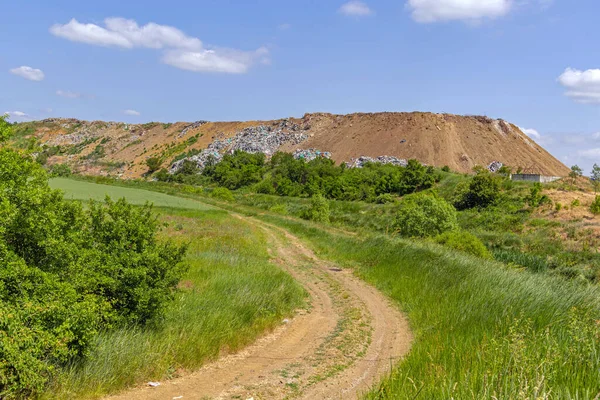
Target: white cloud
x: 355, y: 8
x: 132, y: 113
x: 427, y: 11
x: 18, y: 115
x: 284, y: 27
x: 590, y: 154
x: 28, y: 73
x: 532, y: 133
x: 223, y: 60
x: 180, y: 50
x: 582, y: 86
x: 68, y: 94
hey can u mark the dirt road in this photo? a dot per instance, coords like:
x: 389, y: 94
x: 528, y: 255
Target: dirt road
x: 336, y: 349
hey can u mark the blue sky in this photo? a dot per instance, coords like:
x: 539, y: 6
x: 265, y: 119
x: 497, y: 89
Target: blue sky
x: 531, y: 62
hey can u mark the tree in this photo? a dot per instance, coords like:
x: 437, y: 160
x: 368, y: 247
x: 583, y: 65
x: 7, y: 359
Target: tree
x: 153, y: 164
x: 595, y: 178
x: 483, y: 191
x: 575, y: 173
x: 424, y: 216
x: 5, y: 128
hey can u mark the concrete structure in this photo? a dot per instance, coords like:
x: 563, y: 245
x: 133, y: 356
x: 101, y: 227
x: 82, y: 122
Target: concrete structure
x: 534, y: 178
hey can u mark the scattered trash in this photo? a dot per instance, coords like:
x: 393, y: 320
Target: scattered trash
x: 153, y: 384
x: 403, y: 141
x: 311, y: 154
x: 188, y: 128
x: 362, y: 160
x: 178, y: 397
x: 286, y: 321
x: 255, y: 139
x: 495, y: 166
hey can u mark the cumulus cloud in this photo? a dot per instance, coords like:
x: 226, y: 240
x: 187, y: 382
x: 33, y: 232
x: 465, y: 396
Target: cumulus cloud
x: 355, y: 8
x: 132, y: 113
x: 68, y: 94
x: 581, y: 86
x: 428, y: 11
x: 532, y: 133
x: 17, y: 115
x: 224, y: 60
x: 26, y: 72
x: 179, y: 50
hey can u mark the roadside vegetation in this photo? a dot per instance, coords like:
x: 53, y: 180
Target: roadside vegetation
x: 98, y: 296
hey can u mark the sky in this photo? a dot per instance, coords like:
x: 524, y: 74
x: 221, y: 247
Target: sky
x: 534, y: 63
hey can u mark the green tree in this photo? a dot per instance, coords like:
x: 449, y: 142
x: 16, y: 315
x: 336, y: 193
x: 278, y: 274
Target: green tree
x: 424, y: 216
x: 5, y: 128
x: 483, y: 191
x: 154, y: 164
x: 595, y: 177
x: 595, y: 206
x: 318, y: 210
x: 575, y: 173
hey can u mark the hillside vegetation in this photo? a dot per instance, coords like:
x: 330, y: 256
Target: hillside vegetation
x: 460, y: 142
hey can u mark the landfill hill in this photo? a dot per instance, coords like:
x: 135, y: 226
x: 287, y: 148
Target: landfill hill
x: 460, y: 142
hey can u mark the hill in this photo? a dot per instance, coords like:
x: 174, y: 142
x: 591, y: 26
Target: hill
x: 460, y: 142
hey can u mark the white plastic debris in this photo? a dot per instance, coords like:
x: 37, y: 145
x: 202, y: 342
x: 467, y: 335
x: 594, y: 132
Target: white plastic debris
x: 153, y: 384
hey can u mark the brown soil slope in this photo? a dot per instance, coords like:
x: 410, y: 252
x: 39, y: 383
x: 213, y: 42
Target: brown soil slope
x: 460, y: 142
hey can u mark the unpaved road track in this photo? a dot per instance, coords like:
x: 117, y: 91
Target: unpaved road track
x: 336, y: 349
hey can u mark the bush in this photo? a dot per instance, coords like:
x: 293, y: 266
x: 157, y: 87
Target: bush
x: 318, y: 211
x: 446, y: 168
x: 384, y: 199
x: 465, y: 242
x: 68, y: 272
x: 536, y: 198
x: 483, y: 191
x: 153, y: 164
x: 595, y: 206
x: 60, y: 170
x: 424, y: 216
x: 222, y: 193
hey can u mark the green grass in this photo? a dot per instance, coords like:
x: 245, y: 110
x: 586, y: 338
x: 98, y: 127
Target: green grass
x: 80, y: 190
x: 231, y: 295
x: 482, y: 331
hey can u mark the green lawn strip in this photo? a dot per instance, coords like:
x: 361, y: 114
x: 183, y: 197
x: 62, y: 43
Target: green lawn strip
x: 81, y: 190
x: 231, y: 295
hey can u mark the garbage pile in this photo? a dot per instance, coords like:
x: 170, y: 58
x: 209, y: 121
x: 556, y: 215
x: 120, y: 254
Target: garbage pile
x: 311, y: 154
x: 362, y: 160
x: 495, y: 166
x: 255, y: 139
x: 188, y: 128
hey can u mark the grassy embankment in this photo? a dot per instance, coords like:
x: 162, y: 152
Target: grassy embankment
x: 230, y: 296
x: 483, y: 330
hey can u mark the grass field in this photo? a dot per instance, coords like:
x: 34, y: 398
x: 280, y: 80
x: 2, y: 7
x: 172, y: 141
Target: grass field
x: 80, y: 190
x: 231, y: 295
x: 483, y: 330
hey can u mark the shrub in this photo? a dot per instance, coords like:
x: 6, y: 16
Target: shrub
x: 558, y: 207
x: 446, y: 168
x: 60, y: 170
x: 153, y: 164
x: 318, y: 210
x: 384, y: 198
x: 595, y: 206
x: 465, y: 242
x: 222, y: 193
x: 423, y: 216
x: 536, y: 198
x: 575, y: 203
x: 68, y: 272
x: 483, y: 191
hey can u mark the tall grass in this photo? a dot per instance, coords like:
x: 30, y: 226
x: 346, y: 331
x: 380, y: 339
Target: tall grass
x: 230, y: 296
x: 482, y: 331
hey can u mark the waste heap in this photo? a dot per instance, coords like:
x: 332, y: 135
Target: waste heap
x: 188, y: 128
x: 495, y: 166
x: 311, y: 154
x: 255, y: 139
x: 362, y: 160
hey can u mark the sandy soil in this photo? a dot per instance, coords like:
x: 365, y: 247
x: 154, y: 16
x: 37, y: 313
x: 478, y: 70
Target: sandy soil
x: 336, y: 349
